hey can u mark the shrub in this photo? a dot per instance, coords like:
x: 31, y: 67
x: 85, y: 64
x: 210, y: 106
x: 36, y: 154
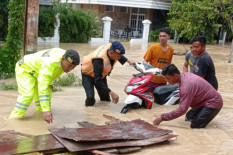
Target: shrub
x: 3, y: 19
x: 76, y: 25
x: 47, y: 22
x: 154, y: 36
x: 11, y: 51
x: 12, y: 86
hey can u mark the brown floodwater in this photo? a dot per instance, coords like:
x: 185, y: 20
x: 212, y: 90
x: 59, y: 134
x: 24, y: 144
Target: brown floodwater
x: 68, y: 105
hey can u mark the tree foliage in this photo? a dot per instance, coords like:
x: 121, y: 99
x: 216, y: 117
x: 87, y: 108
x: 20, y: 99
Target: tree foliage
x: 47, y: 21
x: 76, y: 25
x: 11, y: 51
x: 3, y: 19
x: 197, y: 17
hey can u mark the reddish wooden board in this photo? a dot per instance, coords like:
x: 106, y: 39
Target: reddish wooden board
x: 112, y: 150
x: 74, y: 146
x: 49, y: 144
x: 127, y: 130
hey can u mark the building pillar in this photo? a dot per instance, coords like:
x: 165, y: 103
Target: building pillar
x: 107, y: 28
x: 146, y: 29
x: 106, y: 32
x: 56, y: 37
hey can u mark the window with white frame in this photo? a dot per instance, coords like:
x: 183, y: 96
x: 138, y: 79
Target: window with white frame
x: 136, y: 17
x: 109, y: 8
x: 123, y: 9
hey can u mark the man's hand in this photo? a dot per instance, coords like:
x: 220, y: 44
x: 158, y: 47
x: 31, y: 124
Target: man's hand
x: 145, y: 62
x: 131, y: 62
x: 185, y: 67
x: 114, y: 96
x: 48, y: 117
x: 158, y: 120
x: 51, y: 87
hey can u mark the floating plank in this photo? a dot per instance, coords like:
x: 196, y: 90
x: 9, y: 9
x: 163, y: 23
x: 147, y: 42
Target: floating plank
x: 48, y: 144
x: 74, y: 146
x: 112, y: 150
x: 40, y: 143
x: 128, y: 130
x: 111, y: 118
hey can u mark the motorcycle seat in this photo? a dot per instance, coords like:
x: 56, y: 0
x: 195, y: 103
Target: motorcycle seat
x: 160, y: 90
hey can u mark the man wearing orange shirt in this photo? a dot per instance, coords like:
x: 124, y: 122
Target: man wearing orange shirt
x: 159, y: 55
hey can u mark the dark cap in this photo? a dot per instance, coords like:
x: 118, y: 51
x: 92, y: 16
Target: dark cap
x: 118, y: 47
x: 72, y: 56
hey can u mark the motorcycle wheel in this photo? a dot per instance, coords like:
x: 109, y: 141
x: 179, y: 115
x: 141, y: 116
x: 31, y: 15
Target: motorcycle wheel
x: 130, y: 106
x: 125, y: 109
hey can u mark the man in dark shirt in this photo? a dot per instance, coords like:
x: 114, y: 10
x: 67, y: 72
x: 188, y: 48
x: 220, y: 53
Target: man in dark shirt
x: 95, y: 68
x: 204, y: 66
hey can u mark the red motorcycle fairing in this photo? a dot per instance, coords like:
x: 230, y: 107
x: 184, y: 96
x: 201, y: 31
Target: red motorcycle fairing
x: 143, y: 91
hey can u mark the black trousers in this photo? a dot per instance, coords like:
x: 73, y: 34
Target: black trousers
x: 88, y: 84
x: 200, y: 118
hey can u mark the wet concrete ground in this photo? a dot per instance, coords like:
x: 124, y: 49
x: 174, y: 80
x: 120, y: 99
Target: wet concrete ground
x: 68, y: 105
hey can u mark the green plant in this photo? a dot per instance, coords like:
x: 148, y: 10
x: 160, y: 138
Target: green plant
x: 3, y: 19
x: 12, y: 86
x: 69, y: 79
x: 154, y: 36
x: 11, y: 51
x: 197, y: 17
x: 47, y: 22
x: 76, y: 25
x: 57, y: 88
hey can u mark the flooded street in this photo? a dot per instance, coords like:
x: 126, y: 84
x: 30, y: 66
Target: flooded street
x: 68, y: 106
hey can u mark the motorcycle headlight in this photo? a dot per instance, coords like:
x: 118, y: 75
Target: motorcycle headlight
x: 129, y: 88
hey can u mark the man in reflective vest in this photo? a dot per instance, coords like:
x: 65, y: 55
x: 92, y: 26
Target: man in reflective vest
x: 35, y: 74
x: 96, y: 66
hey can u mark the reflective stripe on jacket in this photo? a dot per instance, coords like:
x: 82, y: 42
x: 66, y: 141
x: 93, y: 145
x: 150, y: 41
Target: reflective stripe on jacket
x: 45, y: 66
x: 99, y: 53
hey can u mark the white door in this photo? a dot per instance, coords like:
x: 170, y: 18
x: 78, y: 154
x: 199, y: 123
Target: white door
x: 136, y: 18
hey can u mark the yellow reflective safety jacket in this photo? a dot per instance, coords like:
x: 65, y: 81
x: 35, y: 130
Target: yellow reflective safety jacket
x: 99, y: 53
x: 45, y: 66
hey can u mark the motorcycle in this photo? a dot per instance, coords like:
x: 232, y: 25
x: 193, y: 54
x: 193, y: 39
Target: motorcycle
x: 167, y: 95
x: 142, y: 95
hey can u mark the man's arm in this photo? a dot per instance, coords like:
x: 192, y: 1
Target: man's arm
x: 185, y: 67
x: 123, y: 59
x: 100, y: 84
x: 185, y: 101
x: 44, y: 90
x: 186, y: 63
x: 98, y: 71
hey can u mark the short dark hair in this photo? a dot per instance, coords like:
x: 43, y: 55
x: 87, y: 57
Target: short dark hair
x: 166, y: 30
x: 170, y: 70
x: 201, y: 39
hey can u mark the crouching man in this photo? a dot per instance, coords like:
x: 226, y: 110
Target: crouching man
x: 195, y: 92
x: 35, y: 74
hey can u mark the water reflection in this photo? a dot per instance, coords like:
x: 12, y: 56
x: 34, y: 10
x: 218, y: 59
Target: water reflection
x: 68, y: 105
